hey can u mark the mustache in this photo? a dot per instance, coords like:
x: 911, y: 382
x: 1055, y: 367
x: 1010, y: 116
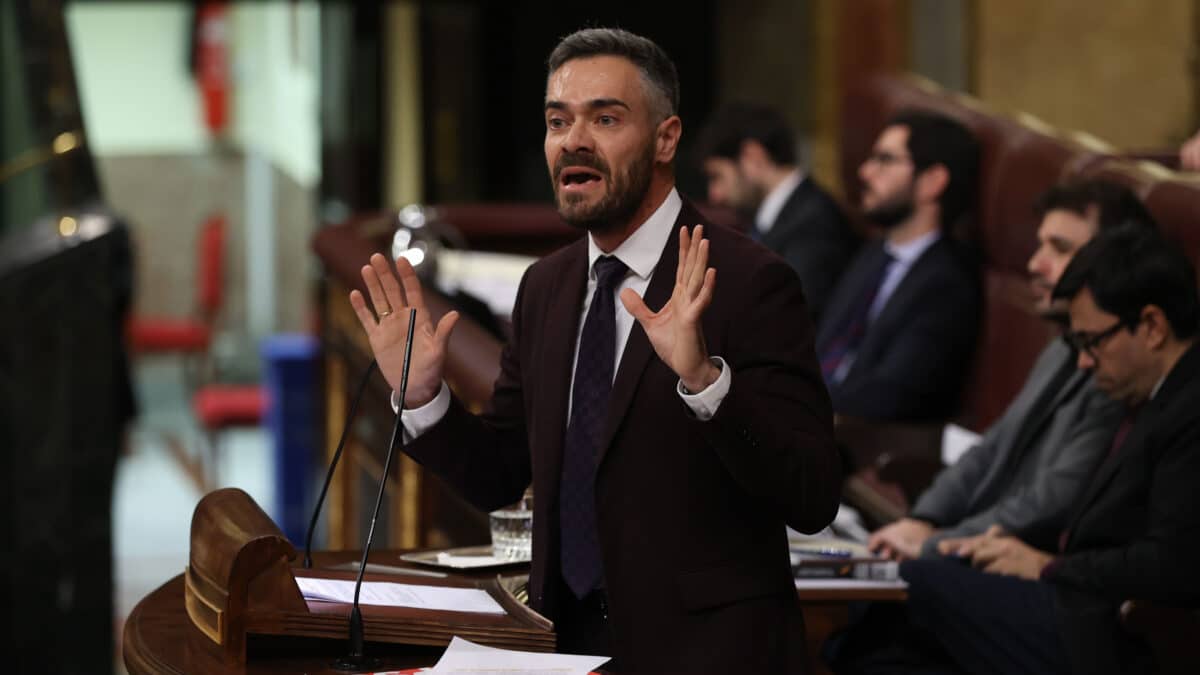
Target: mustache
x: 584, y: 159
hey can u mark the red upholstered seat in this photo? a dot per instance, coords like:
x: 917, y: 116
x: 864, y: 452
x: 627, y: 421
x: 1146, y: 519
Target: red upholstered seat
x: 218, y: 406
x: 188, y: 335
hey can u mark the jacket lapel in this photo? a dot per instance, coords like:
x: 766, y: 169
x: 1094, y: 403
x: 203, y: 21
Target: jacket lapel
x: 1045, y: 404
x: 837, y: 315
x: 1108, y: 467
x: 560, y: 325
x: 897, y: 305
x: 1184, y: 372
x: 637, y: 348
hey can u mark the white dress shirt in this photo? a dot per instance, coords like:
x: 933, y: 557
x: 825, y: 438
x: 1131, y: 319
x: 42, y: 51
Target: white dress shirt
x: 903, y: 257
x: 768, y: 211
x: 640, y: 253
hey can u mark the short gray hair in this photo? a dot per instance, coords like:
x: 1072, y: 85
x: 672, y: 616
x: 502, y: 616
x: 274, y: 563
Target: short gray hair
x: 657, y: 69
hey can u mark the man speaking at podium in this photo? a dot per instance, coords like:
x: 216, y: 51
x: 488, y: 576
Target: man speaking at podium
x: 671, y: 421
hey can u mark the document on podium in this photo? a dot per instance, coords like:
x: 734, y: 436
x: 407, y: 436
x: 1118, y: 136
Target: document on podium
x: 463, y: 657
x: 390, y: 594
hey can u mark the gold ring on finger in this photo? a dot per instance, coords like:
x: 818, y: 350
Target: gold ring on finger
x: 385, y: 314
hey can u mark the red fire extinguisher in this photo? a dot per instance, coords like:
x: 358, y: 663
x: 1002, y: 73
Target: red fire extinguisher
x: 212, y: 62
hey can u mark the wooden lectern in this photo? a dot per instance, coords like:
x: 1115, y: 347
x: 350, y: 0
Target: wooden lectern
x: 239, y: 584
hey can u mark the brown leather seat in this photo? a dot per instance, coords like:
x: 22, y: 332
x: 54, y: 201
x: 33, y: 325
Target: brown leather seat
x: 1175, y: 203
x: 1020, y: 159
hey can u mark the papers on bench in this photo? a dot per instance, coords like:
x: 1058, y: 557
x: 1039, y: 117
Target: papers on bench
x: 389, y: 594
x: 818, y: 584
x: 491, y: 277
x: 956, y: 441
x: 463, y: 657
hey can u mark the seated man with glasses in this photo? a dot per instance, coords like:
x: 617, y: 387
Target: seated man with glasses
x: 897, y: 335
x: 1001, y: 605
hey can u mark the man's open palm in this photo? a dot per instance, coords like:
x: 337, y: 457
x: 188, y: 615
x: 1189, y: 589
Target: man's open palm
x: 391, y: 300
x: 675, y: 330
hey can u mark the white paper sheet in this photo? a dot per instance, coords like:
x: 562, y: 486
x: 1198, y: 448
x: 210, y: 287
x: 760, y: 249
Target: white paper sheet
x: 389, y: 594
x: 469, y: 561
x: 463, y: 657
x: 956, y: 441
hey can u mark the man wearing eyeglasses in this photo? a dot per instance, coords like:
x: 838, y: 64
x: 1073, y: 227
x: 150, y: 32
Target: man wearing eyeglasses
x: 1029, y: 467
x: 896, y: 337
x: 1134, y: 315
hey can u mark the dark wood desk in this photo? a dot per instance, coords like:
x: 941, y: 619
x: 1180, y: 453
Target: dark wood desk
x: 160, y: 639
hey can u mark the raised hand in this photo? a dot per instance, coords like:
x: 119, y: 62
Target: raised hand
x: 674, y: 330
x: 387, y: 334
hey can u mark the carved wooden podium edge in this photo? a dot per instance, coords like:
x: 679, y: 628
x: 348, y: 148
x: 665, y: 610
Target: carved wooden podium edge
x: 239, y: 582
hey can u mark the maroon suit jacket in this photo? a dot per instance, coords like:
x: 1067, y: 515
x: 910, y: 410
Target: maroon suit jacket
x: 691, y: 514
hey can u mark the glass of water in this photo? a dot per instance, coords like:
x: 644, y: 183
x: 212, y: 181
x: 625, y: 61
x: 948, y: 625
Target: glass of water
x: 512, y: 530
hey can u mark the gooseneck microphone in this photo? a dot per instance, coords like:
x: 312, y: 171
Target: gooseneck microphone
x: 356, y: 661
x: 337, y: 456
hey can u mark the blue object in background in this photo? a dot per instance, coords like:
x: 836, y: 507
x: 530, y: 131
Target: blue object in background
x: 293, y: 421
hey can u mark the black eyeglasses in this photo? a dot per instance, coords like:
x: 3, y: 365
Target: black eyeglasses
x: 1088, y: 341
x: 884, y: 158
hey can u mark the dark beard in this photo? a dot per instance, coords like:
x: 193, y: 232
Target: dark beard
x: 625, y: 192
x: 892, y: 213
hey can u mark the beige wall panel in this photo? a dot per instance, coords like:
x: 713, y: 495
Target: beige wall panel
x: 166, y: 198
x: 1121, y: 69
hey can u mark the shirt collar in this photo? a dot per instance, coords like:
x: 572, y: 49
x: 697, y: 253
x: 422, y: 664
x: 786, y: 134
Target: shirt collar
x: 642, y: 249
x: 1157, y: 386
x: 908, y: 252
x: 769, y: 210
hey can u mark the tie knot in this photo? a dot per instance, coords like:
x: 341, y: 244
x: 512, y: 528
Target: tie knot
x: 609, y: 271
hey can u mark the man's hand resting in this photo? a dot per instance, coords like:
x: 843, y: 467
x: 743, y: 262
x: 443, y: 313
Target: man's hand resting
x: 901, y: 540
x: 387, y: 334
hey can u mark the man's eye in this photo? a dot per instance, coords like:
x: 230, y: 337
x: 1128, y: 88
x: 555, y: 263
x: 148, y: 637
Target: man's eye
x: 606, y: 120
x: 556, y: 123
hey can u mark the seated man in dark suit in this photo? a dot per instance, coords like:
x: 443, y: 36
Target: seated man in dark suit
x: 1031, y: 465
x: 1134, y: 315
x: 749, y: 156
x: 896, y: 339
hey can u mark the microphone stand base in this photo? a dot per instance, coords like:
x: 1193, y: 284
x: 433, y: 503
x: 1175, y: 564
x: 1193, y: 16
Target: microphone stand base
x: 356, y: 664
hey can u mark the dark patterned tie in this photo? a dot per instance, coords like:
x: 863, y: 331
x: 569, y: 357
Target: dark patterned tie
x: 581, y: 565
x: 847, y: 340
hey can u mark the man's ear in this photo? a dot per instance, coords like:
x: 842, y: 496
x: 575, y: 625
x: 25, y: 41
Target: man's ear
x: 1156, y: 325
x: 666, y: 139
x: 931, y: 183
x: 752, y: 155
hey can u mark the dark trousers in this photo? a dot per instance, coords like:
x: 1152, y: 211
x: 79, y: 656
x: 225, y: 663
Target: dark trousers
x: 957, y: 620
x: 582, y: 625
x: 987, y: 623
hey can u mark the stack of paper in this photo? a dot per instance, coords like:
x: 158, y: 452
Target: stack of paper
x: 463, y: 657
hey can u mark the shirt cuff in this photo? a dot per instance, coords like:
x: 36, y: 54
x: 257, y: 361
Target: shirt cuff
x: 705, y: 403
x: 1050, y: 568
x: 419, y: 420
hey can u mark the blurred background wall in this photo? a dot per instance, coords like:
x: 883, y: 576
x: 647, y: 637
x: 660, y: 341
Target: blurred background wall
x: 339, y: 107
x: 163, y: 169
